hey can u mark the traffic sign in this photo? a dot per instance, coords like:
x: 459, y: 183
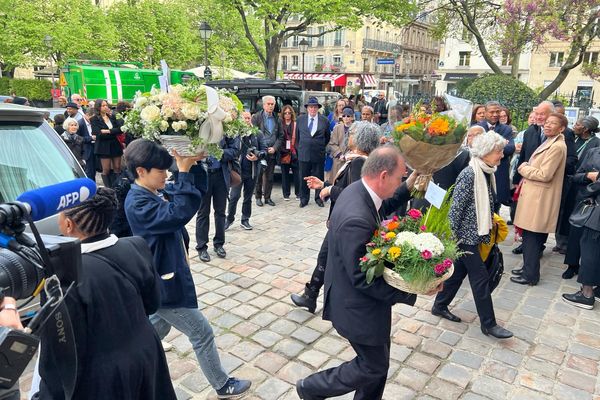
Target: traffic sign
x: 383, y: 61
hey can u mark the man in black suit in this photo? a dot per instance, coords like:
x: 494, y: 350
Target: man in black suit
x: 502, y: 174
x: 359, y: 312
x: 271, y: 138
x: 313, y: 137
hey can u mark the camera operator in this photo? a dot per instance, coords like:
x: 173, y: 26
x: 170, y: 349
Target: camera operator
x: 119, y: 355
x: 271, y: 136
x: 253, y: 150
x: 9, y: 318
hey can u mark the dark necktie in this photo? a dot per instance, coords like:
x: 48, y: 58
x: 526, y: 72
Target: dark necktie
x: 542, y: 136
x: 310, y: 125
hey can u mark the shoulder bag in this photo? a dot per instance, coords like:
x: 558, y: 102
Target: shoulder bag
x: 582, y: 212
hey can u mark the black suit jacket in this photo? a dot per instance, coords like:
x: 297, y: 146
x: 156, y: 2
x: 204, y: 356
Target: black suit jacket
x: 503, y: 171
x: 267, y: 138
x: 312, y: 148
x: 359, y: 312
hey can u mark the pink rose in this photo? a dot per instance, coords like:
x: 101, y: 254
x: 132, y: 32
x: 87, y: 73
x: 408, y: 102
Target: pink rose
x: 364, y: 259
x: 447, y: 263
x: 395, y: 218
x: 414, y: 213
x: 439, y: 269
x: 426, y: 254
x: 370, y: 244
x: 423, y: 228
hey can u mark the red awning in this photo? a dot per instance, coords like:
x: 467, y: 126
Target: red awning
x: 369, y: 80
x: 335, y: 79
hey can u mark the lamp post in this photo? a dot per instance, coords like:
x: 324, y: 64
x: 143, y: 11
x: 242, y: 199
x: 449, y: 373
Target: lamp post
x: 303, y: 46
x: 407, y: 61
x: 205, y: 34
x: 395, y: 54
x: 364, y: 54
x: 150, y: 51
x: 48, y: 42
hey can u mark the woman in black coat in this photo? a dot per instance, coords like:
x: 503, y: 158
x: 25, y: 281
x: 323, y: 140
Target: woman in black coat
x: 119, y: 355
x: 106, y: 128
x: 585, y: 141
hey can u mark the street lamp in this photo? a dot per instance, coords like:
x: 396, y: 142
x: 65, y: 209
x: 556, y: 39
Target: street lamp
x: 303, y: 46
x: 365, y: 56
x: 150, y: 51
x: 395, y: 54
x: 407, y: 61
x: 205, y: 34
x: 48, y: 42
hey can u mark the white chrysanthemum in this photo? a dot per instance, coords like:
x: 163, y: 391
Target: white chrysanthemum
x: 428, y: 241
x: 140, y: 101
x: 150, y: 113
x: 164, y: 125
x: 405, y: 238
x: 177, y: 89
x: 190, y: 111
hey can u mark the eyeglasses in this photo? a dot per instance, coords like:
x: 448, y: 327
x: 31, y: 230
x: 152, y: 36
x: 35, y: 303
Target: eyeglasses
x: 347, y: 116
x: 287, y: 113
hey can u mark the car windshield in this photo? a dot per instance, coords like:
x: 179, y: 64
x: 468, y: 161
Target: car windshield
x: 32, y: 156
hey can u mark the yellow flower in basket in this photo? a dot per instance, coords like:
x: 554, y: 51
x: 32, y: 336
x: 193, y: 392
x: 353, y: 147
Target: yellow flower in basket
x: 394, y: 252
x: 390, y: 235
x: 376, y: 252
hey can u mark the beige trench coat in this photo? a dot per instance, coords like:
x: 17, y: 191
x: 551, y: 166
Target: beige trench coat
x: 539, y: 201
x: 337, y: 146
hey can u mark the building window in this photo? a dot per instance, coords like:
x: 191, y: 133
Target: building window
x: 506, y: 59
x: 464, y: 58
x: 295, y: 61
x: 295, y: 41
x: 590, y: 57
x: 284, y: 63
x: 337, y: 41
x: 556, y: 59
x: 321, y: 39
x: 467, y: 35
x: 284, y: 43
x: 337, y: 60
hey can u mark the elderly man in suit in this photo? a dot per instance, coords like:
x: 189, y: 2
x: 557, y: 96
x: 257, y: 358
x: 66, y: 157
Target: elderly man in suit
x: 313, y: 137
x: 492, y: 123
x: 271, y: 138
x: 360, y: 312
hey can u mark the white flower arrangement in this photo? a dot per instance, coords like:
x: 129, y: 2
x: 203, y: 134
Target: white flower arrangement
x: 421, y: 242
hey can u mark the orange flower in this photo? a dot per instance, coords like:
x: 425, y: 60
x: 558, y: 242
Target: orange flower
x: 392, y: 226
x: 438, y: 127
x: 404, y: 127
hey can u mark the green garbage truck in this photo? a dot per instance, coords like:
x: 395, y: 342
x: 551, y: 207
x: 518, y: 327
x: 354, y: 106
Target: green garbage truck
x: 112, y: 80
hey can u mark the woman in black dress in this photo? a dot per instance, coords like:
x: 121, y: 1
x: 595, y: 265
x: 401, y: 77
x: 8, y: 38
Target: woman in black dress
x: 108, y: 148
x: 119, y: 355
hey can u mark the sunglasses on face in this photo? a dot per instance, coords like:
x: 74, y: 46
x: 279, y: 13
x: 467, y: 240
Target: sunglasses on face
x: 287, y: 113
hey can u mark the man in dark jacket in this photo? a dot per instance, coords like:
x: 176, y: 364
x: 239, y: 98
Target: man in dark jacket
x: 491, y: 123
x: 360, y: 312
x: 271, y: 134
x: 381, y: 111
x: 313, y: 137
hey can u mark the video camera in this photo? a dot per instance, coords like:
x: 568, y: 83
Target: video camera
x: 32, y: 262
x: 258, y: 153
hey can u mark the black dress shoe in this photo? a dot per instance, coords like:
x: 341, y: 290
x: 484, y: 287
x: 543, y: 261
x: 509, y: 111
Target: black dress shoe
x: 308, y: 299
x: 246, y: 225
x: 518, y: 249
x: 319, y: 202
x: 302, y: 394
x: 303, y: 204
x: 522, y: 281
x: 270, y: 202
x: 228, y: 224
x: 518, y: 271
x: 204, y: 256
x: 445, y: 314
x: 259, y: 202
x: 579, y: 300
x: 570, y: 272
x: 497, y: 332
x: 220, y: 252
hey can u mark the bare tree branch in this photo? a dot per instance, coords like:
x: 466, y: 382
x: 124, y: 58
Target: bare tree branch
x: 239, y: 6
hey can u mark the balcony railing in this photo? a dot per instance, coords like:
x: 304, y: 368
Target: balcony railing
x: 380, y: 45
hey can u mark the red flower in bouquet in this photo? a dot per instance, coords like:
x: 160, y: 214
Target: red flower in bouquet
x: 440, y: 269
x: 426, y: 254
x: 414, y: 213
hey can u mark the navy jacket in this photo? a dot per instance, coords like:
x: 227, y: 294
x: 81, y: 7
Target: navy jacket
x: 360, y: 312
x: 502, y: 173
x: 162, y: 224
x: 312, y: 148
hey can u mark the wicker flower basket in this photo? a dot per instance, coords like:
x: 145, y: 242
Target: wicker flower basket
x: 394, y: 279
x: 180, y: 143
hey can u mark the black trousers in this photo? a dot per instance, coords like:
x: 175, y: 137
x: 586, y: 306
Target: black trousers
x: 589, y: 272
x: 573, y: 246
x: 308, y: 168
x: 264, y: 180
x: 247, y: 186
x: 366, y: 374
x: 471, y: 265
x: 533, y: 243
x: 217, y: 192
x: 286, y: 181
x: 317, y: 280
x: 90, y: 165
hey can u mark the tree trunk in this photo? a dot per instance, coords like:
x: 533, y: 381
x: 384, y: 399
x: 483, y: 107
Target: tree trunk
x: 555, y: 84
x: 514, y: 68
x: 272, y: 50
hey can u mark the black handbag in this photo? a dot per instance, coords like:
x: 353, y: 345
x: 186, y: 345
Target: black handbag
x: 495, y: 267
x: 582, y: 212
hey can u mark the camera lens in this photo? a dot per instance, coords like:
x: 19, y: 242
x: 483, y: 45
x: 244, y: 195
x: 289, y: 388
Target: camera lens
x: 18, y: 277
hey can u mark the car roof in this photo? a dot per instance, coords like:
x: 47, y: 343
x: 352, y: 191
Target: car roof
x: 241, y: 84
x: 16, y: 112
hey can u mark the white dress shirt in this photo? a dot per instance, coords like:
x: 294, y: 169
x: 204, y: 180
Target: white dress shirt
x: 376, y: 199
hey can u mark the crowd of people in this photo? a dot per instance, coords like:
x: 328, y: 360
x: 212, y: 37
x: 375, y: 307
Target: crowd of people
x: 542, y: 173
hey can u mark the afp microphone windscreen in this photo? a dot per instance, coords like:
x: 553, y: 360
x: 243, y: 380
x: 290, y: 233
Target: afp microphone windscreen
x: 49, y: 200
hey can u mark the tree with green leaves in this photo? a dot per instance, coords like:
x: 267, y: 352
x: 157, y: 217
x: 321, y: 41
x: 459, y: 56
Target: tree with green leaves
x: 281, y: 19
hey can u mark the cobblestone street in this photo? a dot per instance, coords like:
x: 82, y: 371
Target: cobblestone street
x: 555, y: 353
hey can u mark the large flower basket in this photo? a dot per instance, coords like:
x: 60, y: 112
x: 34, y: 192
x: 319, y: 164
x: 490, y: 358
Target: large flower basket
x: 180, y: 143
x: 394, y: 279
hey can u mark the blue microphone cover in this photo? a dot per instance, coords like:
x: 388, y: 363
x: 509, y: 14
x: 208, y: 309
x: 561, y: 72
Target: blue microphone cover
x: 49, y: 200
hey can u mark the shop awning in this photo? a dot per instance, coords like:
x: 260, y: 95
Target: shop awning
x: 369, y: 80
x: 335, y: 79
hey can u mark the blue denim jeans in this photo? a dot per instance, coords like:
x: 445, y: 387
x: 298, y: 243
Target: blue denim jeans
x: 192, y: 323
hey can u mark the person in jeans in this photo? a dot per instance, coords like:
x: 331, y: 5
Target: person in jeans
x: 288, y: 157
x: 158, y: 213
x: 270, y: 128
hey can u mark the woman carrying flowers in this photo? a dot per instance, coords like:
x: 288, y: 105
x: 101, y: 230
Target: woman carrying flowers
x: 471, y: 222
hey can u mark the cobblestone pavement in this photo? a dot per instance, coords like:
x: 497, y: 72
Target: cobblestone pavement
x: 555, y: 353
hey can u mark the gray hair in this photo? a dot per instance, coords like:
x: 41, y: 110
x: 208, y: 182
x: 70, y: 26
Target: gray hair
x: 370, y: 109
x: 268, y: 97
x: 366, y: 136
x: 485, y: 143
x: 547, y: 103
x: 384, y: 158
x: 492, y: 103
x: 68, y: 122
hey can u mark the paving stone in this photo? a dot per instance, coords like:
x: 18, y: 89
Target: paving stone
x: 267, y: 338
x: 330, y: 345
x: 247, y: 351
x: 289, y: 347
x: 565, y: 392
x: 435, y: 348
x: 180, y: 368
x: 306, y: 335
x: 314, y: 358
x: 228, y: 320
x: 292, y: 372
x: 456, y: 374
x: 272, y: 389
x: 263, y: 319
x: 270, y: 362
x: 578, y: 380
x: 507, y: 356
x: 474, y: 396
x: 299, y: 316
x: 227, y: 340
x: 399, y: 353
x: 548, y: 353
x: 523, y: 393
x: 442, y: 389
x: 406, y: 339
x: 490, y: 387
x: 499, y: 370
x: 541, y: 367
x: 283, y: 326
x: 195, y: 382
x: 536, y: 382
x: 585, y: 351
x: 423, y: 363
x: 467, y: 359
x: 397, y: 392
x: 450, y: 338
x: 181, y: 394
x: 583, y: 364
x: 412, y: 378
